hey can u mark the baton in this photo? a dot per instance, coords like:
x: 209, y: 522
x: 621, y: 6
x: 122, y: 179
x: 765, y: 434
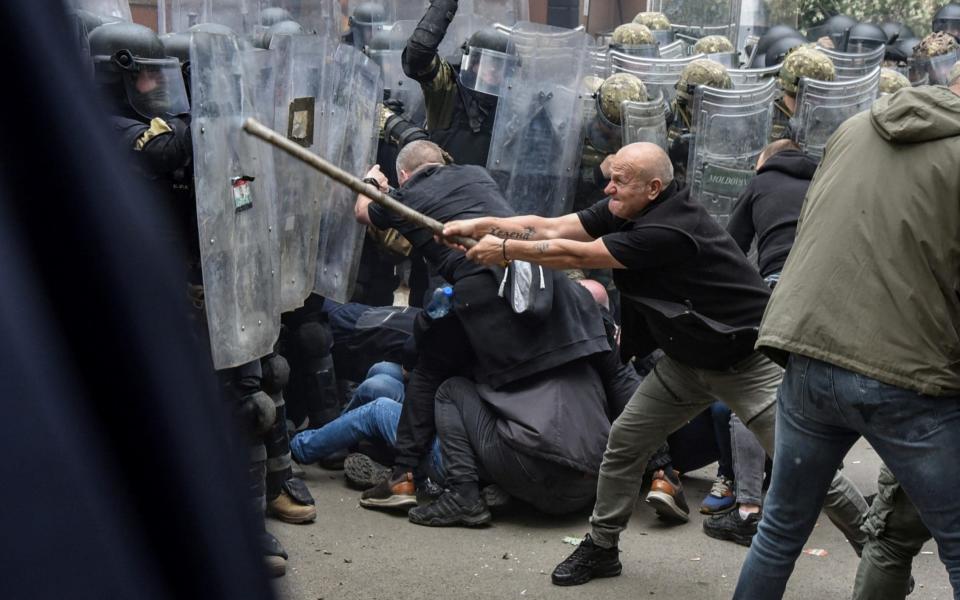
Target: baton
x: 258, y: 129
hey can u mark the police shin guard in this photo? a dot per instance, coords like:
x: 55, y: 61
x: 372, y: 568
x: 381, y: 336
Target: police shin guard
x: 320, y: 380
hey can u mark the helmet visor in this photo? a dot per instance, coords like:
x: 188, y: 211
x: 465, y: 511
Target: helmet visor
x: 486, y: 71
x: 155, y: 88
x: 862, y: 46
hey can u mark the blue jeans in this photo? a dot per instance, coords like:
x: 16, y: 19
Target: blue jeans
x: 384, y: 380
x: 823, y: 409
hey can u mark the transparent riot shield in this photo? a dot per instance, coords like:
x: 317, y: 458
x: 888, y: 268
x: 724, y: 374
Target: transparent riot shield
x: 854, y: 66
x: 461, y: 28
x: 732, y: 127
x: 645, y: 122
x: 353, y: 114
x: 675, y: 49
x: 536, y: 141
x: 304, y: 85
x: 505, y: 12
x: 319, y: 17
x: 175, y: 16
x: 115, y: 10
x: 823, y: 105
x: 746, y: 78
x: 236, y: 195
x: 700, y: 18
x: 396, y: 84
x: 935, y: 68
x: 758, y: 16
x: 660, y: 75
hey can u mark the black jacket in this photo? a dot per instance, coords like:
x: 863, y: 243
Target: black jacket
x: 770, y: 206
x: 508, y: 346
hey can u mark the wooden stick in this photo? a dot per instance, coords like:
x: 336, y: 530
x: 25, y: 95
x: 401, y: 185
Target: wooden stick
x: 257, y: 129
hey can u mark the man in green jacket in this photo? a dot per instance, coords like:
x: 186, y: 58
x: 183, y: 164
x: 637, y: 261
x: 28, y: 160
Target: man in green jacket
x: 866, y: 318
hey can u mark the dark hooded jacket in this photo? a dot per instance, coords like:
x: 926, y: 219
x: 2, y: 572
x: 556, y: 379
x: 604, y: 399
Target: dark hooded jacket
x: 770, y: 206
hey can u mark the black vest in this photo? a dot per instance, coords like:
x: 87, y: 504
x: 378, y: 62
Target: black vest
x: 467, y: 138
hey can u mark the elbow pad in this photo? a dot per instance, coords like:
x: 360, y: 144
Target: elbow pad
x: 399, y: 131
x: 421, y: 49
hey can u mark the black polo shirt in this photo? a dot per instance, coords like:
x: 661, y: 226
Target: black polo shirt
x: 687, y: 288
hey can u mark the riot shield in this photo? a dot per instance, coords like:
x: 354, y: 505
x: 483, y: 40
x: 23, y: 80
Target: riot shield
x: 757, y: 16
x: 746, y: 78
x: 108, y: 9
x: 673, y: 50
x: 536, y: 141
x: 645, y: 122
x: 353, y: 115
x: 461, y: 28
x: 396, y: 84
x: 304, y: 84
x: 236, y: 214
x: 823, y: 105
x: 505, y: 12
x: 732, y: 127
x: 319, y: 17
x: 854, y: 66
x: 935, y: 68
x: 660, y: 75
x: 699, y: 18
x: 175, y: 16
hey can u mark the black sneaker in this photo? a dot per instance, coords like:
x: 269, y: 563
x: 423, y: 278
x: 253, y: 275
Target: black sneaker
x: 731, y: 526
x: 587, y: 561
x: 396, y: 491
x: 363, y: 472
x: 450, y: 509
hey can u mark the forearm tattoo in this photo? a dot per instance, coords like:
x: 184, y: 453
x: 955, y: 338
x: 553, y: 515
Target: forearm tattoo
x: 542, y: 247
x: 526, y: 234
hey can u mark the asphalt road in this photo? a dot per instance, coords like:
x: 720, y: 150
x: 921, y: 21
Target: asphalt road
x: 354, y: 553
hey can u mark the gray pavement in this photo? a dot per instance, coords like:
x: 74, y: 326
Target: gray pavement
x: 354, y: 553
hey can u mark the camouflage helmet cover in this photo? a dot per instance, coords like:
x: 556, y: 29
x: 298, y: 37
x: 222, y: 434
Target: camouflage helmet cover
x: 703, y: 71
x: 805, y: 62
x: 935, y: 44
x: 891, y: 81
x: 713, y: 44
x: 633, y: 34
x: 616, y: 89
x: 655, y: 21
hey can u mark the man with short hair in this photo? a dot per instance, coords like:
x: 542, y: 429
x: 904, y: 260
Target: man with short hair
x: 686, y: 288
x: 866, y: 318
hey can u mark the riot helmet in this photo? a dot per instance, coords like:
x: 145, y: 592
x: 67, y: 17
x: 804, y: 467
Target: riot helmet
x: 274, y: 14
x: 132, y: 67
x: 387, y: 39
x: 634, y: 39
x: 364, y: 22
x: 279, y: 28
x: 896, y: 31
x: 177, y: 45
x: 658, y: 24
x: 835, y: 28
x: 804, y: 62
x: 891, y: 81
x: 777, y: 52
x: 772, y: 36
x: 865, y: 37
x: 717, y: 48
x: 605, y: 130
x: 489, y: 57
x: 935, y: 55
x: 948, y: 19
x: 700, y: 72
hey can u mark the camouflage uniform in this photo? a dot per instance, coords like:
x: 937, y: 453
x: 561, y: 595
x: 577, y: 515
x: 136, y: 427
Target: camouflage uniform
x: 891, y: 81
x: 802, y: 61
x: 699, y: 72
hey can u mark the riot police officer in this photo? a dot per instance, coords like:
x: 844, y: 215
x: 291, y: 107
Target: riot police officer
x: 801, y: 62
x: 634, y: 39
x: 892, y: 81
x: 658, y: 23
x: 699, y: 72
x: 718, y: 48
x: 947, y: 19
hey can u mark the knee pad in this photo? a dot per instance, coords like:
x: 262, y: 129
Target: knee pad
x: 315, y: 340
x: 276, y: 374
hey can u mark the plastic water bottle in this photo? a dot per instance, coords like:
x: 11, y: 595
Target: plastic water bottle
x: 441, y: 302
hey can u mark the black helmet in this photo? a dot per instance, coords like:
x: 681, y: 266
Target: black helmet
x: 947, y: 19
x: 131, y: 64
x: 896, y: 31
x: 772, y: 35
x: 387, y: 39
x: 364, y: 20
x: 835, y: 28
x: 864, y: 37
x: 278, y: 28
x: 177, y: 44
x: 777, y: 51
x: 489, y: 38
x: 273, y: 15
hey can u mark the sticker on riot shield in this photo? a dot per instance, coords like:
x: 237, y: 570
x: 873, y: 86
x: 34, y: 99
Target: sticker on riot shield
x: 242, y: 195
x: 724, y: 181
x: 300, y: 121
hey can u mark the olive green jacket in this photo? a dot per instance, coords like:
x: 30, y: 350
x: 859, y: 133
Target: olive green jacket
x: 872, y: 283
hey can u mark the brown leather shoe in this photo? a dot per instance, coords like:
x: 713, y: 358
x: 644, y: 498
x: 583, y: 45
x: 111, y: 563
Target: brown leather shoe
x: 289, y: 510
x: 396, y: 491
x: 666, y: 497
